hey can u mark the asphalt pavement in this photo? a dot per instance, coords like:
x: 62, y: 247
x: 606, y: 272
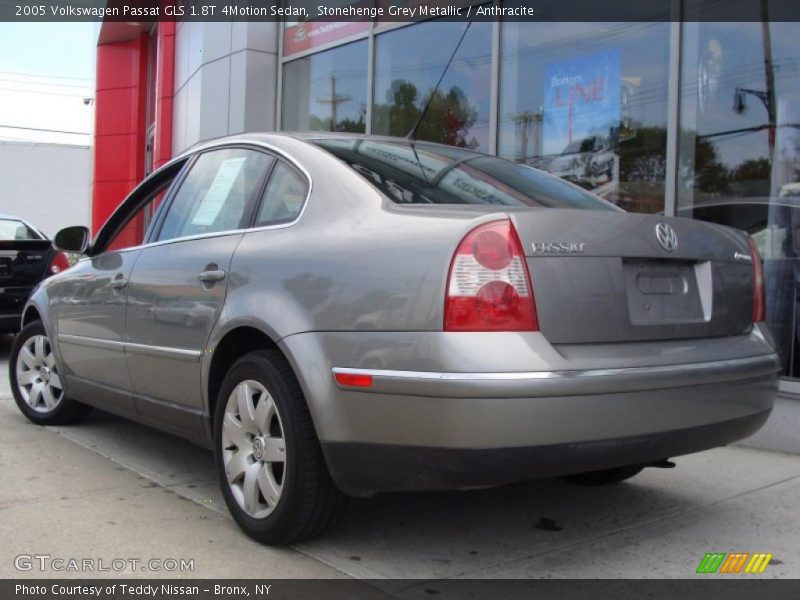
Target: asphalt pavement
x: 109, y: 489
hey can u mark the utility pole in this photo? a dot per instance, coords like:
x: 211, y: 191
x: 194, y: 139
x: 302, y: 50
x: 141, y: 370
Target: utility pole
x: 335, y: 100
x: 524, y: 122
x: 769, y: 76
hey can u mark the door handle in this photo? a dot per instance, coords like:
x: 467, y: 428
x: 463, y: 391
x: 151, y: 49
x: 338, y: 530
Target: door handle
x: 212, y: 276
x: 119, y: 283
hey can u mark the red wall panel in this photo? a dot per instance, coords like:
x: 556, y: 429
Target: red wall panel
x: 119, y: 124
x: 120, y: 117
x: 165, y: 83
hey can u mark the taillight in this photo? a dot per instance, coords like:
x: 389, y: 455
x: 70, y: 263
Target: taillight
x: 488, y: 287
x: 58, y: 264
x: 759, y: 296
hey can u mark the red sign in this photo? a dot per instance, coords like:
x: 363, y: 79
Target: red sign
x: 312, y: 34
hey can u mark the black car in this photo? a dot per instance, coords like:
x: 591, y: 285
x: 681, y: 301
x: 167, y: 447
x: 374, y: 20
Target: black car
x: 26, y: 257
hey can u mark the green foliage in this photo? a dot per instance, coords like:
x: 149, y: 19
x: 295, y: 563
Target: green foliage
x: 448, y: 119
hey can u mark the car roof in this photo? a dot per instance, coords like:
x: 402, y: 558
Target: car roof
x: 307, y: 136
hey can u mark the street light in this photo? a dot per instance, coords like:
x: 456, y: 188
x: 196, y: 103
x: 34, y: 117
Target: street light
x: 740, y: 99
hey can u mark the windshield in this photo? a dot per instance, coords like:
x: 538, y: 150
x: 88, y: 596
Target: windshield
x: 13, y: 230
x: 424, y: 173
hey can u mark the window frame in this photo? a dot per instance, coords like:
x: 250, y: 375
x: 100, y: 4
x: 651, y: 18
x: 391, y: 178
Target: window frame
x: 135, y: 202
x: 250, y: 210
x: 122, y: 216
x: 260, y: 201
x: 286, y: 61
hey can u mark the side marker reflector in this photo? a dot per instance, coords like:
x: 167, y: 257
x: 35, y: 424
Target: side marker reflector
x: 353, y: 379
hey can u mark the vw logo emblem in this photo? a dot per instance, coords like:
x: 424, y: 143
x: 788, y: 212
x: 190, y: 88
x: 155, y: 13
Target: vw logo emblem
x: 258, y: 448
x: 666, y: 237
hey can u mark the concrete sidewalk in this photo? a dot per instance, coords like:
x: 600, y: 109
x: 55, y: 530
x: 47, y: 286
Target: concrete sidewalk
x: 108, y: 489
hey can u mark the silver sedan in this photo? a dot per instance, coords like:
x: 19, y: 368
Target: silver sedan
x: 350, y: 315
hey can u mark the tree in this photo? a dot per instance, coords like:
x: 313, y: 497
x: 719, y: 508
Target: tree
x: 752, y: 169
x: 448, y: 119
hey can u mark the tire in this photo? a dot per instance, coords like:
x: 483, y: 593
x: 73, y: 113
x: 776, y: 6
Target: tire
x: 36, y: 383
x: 606, y: 477
x: 270, y: 465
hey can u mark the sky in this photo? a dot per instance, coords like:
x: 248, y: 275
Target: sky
x: 47, y: 71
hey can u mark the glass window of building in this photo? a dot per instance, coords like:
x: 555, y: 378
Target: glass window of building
x: 409, y: 61
x: 588, y: 102
x: 326, y: 91
x: 740, y: 150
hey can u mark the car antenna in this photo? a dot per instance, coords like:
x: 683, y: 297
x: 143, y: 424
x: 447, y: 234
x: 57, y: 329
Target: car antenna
x: 412, y: 135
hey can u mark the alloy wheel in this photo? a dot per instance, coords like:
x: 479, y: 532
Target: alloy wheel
x: 37, y: 375
x: 253, y: 449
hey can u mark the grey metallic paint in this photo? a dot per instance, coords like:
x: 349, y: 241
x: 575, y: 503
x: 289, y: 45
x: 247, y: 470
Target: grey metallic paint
x: 358, y: 282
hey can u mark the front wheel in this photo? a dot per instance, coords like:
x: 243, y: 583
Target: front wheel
x: 273, y: 475
x: 36, y: 380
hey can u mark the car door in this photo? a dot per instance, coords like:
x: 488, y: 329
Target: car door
x: 178, y: 285
x: 91, y: 302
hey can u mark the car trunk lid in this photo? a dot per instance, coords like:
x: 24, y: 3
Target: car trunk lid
x: 604, y: 276
x: 23, y: 262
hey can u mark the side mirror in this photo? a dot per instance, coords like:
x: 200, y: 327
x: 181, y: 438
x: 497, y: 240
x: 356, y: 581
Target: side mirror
x: 72, y: 239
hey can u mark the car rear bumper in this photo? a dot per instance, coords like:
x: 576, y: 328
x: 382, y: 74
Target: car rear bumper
x: 367, y: 469
x: 9, y: 323
x: 596, y: 406
x: 12, y: 302
x: 559, y: 383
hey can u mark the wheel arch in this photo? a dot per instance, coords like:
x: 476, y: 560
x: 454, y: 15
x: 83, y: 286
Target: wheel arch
x: 234, y: 343
x: 30, y: 315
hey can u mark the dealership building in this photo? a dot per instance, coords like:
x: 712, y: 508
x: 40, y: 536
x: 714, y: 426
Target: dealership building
x: 696, y: 119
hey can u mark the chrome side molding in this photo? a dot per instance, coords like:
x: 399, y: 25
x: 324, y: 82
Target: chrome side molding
x: 128, y: 347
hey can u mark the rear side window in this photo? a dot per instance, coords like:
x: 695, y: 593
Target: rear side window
x: 284, y: 197
x: 424, y: 173
x: 217, y: 194
x: 12, y: 230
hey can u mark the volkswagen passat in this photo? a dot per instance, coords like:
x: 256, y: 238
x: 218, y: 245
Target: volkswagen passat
x: 371, y: 314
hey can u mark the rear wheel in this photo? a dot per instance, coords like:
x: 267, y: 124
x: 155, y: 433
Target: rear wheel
x: 273, y: 475
x: 36, y: 380
x: 605, y: 477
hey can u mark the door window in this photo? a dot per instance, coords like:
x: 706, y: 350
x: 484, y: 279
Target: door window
x: 134, y: 232
x: 284, y: 197
x: 217, y: 194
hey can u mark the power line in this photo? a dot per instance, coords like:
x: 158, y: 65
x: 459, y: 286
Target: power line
x: 21, y: 74
x: 41, y: 92
x: 44, y: 130
x: 43, y: 84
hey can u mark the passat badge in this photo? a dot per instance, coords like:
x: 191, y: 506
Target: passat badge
x: 745, y: 258
x: 558, y: 247
x: 666, y: 237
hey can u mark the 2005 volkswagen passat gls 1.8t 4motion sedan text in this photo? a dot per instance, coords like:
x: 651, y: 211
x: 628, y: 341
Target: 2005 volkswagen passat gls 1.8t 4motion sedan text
x: 341, y: 315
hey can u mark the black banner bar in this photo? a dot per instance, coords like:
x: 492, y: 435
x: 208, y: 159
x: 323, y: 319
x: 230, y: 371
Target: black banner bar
x: 703, y: 586
x: 399, y: 10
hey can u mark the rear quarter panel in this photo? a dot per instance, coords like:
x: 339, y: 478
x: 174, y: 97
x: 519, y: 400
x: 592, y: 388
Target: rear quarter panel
x: 353, y: 262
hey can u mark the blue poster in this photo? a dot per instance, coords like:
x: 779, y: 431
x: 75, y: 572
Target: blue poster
x: 582, y: 102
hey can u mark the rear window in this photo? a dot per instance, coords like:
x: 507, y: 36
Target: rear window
x: 424, y: 173
x: 13, y: 230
